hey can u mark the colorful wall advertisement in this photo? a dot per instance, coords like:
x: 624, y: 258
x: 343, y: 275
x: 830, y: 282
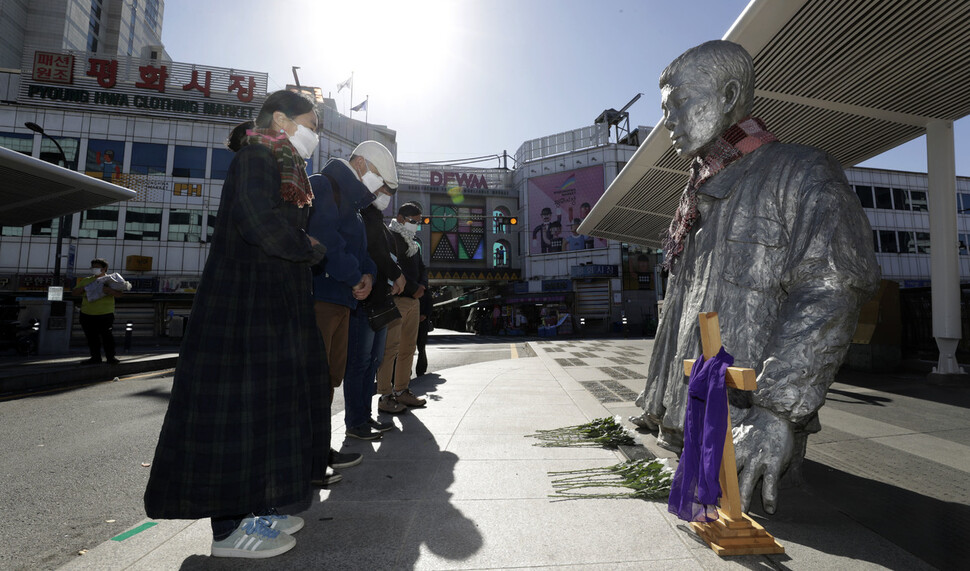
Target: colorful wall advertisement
x: 558, y: 203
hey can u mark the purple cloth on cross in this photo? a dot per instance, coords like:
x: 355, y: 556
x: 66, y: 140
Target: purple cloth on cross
x: 696, y: 488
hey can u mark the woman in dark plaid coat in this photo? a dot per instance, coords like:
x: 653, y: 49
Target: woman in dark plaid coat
x: 248, y: 426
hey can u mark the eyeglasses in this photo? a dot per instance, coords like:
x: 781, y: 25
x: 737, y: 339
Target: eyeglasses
x: 413, y: 220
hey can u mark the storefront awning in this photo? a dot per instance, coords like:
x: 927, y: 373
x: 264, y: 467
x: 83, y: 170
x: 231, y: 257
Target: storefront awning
x: 32, y: 190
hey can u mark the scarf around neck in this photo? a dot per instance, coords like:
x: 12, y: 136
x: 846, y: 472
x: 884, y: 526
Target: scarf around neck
x: 736, y: 141
x: 294, y: 183
x: 408, y: 236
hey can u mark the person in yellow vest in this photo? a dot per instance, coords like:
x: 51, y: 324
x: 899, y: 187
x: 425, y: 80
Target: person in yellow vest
x: 98, y: 312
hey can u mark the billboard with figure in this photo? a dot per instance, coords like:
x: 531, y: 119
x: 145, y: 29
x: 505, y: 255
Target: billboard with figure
x: 558, y: 203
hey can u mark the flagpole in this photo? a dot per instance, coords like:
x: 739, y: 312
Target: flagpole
x: 367, y: 110
x: 351, y: 95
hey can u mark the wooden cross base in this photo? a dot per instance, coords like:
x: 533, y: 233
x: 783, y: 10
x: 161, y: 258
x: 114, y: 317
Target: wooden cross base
x: 743, y: 536
x: 733, y: 533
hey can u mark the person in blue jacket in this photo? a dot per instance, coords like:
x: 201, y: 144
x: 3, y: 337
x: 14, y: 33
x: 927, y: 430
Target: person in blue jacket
x: 346, y: 276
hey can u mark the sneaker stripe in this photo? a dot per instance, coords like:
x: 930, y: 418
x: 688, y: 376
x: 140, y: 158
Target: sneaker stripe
x: 258, y: 543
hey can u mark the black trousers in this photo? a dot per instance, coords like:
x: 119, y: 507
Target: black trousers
x: 422, y: 365
x: 97, y: 329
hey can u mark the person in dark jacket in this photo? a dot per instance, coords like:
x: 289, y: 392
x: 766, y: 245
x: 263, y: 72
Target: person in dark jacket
x: 375, y: 165
x: 402, y: 335
x: 424, y: 327
x: 346, y: 276
x: 248, y: 425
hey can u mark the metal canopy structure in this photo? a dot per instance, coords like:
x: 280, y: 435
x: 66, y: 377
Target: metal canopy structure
x: 32, y: 190
x: 855, y: 77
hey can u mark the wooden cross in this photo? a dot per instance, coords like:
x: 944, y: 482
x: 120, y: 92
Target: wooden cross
x: 733, y: 533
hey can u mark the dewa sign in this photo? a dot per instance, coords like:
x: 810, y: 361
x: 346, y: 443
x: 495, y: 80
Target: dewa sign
x: 93, y: 82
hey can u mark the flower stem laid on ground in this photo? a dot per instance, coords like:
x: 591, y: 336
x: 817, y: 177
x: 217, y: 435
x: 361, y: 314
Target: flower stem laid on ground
x: 606, y: 432
x: 647, y: 480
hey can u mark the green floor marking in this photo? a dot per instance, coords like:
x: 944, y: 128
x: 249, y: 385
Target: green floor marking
x: 134, y: 531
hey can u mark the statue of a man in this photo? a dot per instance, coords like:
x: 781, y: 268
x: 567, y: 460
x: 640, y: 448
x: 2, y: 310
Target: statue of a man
x: 771, y: 237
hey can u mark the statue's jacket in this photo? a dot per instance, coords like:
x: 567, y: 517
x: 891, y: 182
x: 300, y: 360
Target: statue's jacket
x: 784, y: 253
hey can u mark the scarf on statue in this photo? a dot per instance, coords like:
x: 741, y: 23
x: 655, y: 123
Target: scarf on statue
x: 295, y: 186
x: 408, y: 236
x: 738, y: 140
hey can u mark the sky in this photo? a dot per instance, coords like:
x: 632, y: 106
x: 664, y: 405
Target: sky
x: 468, y: 78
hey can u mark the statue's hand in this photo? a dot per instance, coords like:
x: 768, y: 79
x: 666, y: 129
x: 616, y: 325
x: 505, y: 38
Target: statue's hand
x: 763, y: 446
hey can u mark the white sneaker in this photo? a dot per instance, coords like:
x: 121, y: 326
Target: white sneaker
x: 288, y: 524
x: 253, y: 539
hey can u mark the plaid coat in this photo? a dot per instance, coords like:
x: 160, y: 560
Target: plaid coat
x: 249, y: 413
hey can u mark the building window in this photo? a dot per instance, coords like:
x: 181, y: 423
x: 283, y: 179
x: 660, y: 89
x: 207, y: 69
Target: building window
x: 884, y: 198
x: 964, y: 240
x: 99, y: 223
x: 11, y: 231
x: 210, y: 225
x: 148, y: 158
x: 105, y: 159
x: 221, y: 158
x: 923, y: 242
x: 917, y: 200
x: 20, y: 142
x: 899, y: 199
x: 500, y: 220
x: 865, y: 195
x: 500, y: 254
x: 963, y: 203
x: 45, y: 228
x: 50, y: 153
x: 189, y: 162
x: 887, y: 242
x: 907, y: 244
x: 144, y: 224
x: 185, y: 225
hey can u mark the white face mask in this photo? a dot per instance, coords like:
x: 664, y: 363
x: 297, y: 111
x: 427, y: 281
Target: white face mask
x: 305, y: 141
x: 382, y: 201
x: 95, y: 271
x: 411, y: 227
x: 372, y: 181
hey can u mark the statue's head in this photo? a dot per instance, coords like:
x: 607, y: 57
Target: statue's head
x: 704, y: 91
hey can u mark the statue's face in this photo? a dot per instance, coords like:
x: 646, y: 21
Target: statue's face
x: 693, y: 112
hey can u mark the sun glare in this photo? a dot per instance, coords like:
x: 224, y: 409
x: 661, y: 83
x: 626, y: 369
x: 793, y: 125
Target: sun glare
x: 390, y: 41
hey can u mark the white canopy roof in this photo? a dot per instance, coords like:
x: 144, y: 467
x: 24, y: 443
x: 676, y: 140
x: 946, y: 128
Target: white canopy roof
x: 32, y: 190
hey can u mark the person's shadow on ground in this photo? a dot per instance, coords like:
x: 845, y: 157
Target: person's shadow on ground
x: 386, y: 512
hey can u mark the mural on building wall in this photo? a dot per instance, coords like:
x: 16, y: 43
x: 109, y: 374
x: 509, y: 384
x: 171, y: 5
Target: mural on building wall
x: 558, y: 203
x: 105, y: 159
x: 457, y: 233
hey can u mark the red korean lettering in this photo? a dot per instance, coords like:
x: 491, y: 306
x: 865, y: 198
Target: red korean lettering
x: 245, y: 94
x: 106, y: 71
x: 152, y: 77
x: 194, y: 83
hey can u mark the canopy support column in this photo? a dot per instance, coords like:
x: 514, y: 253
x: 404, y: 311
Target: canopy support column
x: 944, y: 257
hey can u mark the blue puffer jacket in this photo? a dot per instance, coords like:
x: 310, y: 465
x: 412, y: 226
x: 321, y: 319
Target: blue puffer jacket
x: 341, y: 230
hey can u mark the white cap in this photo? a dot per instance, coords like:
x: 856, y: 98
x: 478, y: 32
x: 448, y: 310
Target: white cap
x: 382, y: 159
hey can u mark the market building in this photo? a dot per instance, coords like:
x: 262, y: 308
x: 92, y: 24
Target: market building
x: 150, y: 125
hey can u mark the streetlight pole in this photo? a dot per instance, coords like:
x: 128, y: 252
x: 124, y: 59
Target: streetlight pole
x: 64, y: 219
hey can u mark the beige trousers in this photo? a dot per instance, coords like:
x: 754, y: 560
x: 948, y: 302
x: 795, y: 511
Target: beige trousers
x: 333, y: 321
x: 402, y: 339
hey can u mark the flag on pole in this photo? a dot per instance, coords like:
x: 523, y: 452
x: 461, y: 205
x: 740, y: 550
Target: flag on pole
x: 348, y: 83
x: 361, y: 107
